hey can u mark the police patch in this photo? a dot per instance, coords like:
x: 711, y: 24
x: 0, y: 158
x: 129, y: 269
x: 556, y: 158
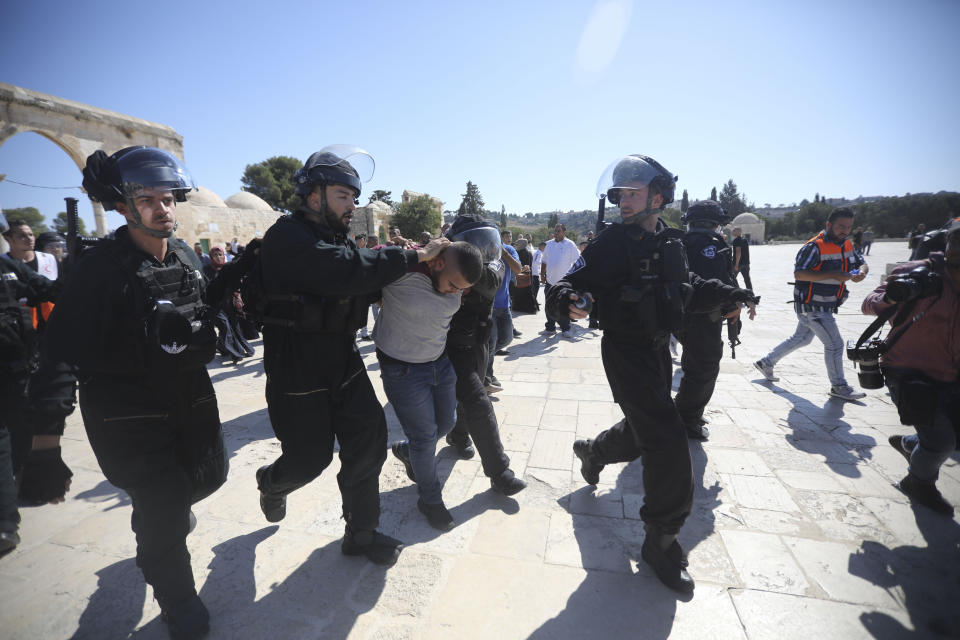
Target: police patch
x: 709, y: 251
x: 10, y: 276
x: 579, y: 264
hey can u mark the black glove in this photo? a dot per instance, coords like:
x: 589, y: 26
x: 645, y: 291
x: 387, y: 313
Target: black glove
x: 44, y: 476
x: 744, y: 295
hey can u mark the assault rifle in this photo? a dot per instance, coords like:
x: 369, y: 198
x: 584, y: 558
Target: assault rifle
x: 734, y: 325
x: 76, y: 243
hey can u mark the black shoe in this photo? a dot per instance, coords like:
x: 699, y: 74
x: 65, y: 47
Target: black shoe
x: 401, y: 452
x: 507, y: 483
x: 897, y: 443
x: 464, y: 447
x: 8, y: 542
x: 186, y: 619
x: 517, y: 334
x: 492, y: 385
x: 437, y: 515
x: 502, y: 352
x: 696, y: 431
x: 926, y: 494
x: 590, y: 467
x: 378, y: 547
x: 702, y: 421
x: 274, y: 507
x: 670, y: 563
x: 366, y: 338
x: 193, y: 522
x: 593, y: 325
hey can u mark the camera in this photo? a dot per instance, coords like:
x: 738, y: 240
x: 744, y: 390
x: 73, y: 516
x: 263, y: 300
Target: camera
x: 583, y: 303
x: 920, y: 282
x: 867, y: 356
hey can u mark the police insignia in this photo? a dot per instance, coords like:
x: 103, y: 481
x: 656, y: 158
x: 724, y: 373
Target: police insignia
x: 709, y: 251
x: 10, y: 276
x: 579, y: 264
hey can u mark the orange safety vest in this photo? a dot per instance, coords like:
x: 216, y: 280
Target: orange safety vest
x: 826, y: 293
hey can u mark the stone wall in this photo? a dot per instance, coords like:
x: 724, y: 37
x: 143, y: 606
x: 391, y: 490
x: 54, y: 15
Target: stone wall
x: 219, y: 225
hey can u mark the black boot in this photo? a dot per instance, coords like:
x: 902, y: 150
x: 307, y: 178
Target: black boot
x: 696, y: 431
x: 437, y: 515
x: 664, y: 555
x: 379, y: 548
x: 274, y: 507
x: 464, y: 447
x: 590, y: 466
x: 926, y: 494
x: 401, y: 452
x: 507, y: 483
x: 186, y: 618
x: 8, y: 542
x: 897, y: 443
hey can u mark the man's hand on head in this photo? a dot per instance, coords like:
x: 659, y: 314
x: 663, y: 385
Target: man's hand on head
x: 432, y: 249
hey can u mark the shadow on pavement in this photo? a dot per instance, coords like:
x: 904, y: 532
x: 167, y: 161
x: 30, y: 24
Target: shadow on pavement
x: 929, y: 579
x: 105, y: 492
x: 253, y: 364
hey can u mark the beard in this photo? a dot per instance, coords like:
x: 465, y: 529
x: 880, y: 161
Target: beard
x: 334, y: 221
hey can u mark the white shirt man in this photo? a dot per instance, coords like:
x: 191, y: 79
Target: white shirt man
x: 559, y: 255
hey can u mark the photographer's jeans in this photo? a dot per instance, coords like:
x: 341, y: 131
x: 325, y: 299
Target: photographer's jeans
x: 501, y: 334
x: 823, y: 325
x: 932, y: 444
x: 425, y: 400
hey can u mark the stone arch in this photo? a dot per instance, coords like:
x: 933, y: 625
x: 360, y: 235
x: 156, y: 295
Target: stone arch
x: 79, y: 129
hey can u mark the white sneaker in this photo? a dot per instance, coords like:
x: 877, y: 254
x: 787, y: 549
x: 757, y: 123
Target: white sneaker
x: 846, y: 392
x: 766, y: 370
x: 568, y: 334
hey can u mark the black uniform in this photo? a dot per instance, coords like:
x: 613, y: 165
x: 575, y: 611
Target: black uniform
x: 468, y: 350
x: 701, y: 334
x: 18, y: 359
x: 642, y: 287
x: 320, y: 285
x: 744, y: 265
x: 148, y: 405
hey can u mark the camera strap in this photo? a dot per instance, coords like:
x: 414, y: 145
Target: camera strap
x: 883, y: 317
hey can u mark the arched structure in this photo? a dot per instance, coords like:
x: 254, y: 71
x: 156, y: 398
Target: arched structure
x: 752, y: 226
x: 79, y: 129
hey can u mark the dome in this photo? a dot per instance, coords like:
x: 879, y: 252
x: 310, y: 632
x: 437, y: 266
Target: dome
x: 247, y: 200
x: 203, y: 197
x: 746, y: 218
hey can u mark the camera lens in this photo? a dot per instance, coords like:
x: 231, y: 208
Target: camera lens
x: 870, y: 376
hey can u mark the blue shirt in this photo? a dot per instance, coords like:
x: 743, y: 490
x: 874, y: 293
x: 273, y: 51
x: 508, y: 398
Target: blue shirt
x: 502, y: 299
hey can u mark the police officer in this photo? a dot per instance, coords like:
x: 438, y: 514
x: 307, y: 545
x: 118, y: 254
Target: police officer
x: 701, y: 334
x: 132, y: 326
x: 18, y: 359
x: 468, y: 351
x: 318, y: 286
x: 639, y: 269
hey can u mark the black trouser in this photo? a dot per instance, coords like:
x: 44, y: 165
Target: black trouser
x: 160, y: 441
x: 475, y: 414
x: 640, y: 379
x: 9, y: 515
x: 306, y: 422
x: 16, y: 437
x: 563, y: 321
x: 702, y: 341
x: 745, y: 272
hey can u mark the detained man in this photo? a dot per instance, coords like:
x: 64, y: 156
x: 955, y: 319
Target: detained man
x: 420, y: 383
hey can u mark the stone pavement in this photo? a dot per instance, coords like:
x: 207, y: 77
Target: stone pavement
x: 797, y: 530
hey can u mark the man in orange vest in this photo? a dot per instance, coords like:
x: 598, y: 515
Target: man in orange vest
x: 823, y: 267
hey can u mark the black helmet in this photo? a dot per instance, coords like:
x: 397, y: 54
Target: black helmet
x: 112, y: 179
x: 48, y: 238
x: 636, y: 171
x: 479, y: 232
x: 706, y: 211
x: 336, y: 164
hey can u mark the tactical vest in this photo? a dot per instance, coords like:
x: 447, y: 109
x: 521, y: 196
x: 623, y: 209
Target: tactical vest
x: 652, y: 303
x: 303, y: 313
x: 176, y: 323
x: 825, y: 295
x: 18, y: 339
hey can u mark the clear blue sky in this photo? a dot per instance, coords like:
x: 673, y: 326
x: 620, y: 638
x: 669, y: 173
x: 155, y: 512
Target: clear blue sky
x: 530, y: 100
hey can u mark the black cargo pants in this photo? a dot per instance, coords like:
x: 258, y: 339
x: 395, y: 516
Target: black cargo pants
x: 160, y: 441
x: 640, y: 378
x: 702, y: 340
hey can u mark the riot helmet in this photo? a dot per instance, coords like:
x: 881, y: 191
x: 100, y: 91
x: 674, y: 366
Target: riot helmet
x: 706, y: 213
x: 635, y: 172
x: 50, y: 240
x: 481, y: 233
x: 335, y: 164
x: 119, y: 177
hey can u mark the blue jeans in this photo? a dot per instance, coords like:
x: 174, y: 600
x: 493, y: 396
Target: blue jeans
x: 425, y: 400
x: 501, y: 334
x: 823, y: 325
x: 933, y: 442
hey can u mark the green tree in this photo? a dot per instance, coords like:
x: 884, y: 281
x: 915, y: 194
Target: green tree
x: 417, y: 215
x: 379, y: 195
x: 503, y: 217
x: 713, y: 194
x: 816, y: 197
x: 685, y: 202
x: 472, y: 201
x: 30, y: 215
x: 272, y: 180
x: 60, y: 224
x: 731, y: 200
x: 554, y: 220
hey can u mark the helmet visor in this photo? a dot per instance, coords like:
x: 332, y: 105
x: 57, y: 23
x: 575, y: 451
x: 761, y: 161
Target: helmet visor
x: 359, y: 159
x: 487, y: 239
x: 629, y: 172
x: 153, y: 168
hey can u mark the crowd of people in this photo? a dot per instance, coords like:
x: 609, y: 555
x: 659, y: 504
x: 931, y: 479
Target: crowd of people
x: 141, y: 316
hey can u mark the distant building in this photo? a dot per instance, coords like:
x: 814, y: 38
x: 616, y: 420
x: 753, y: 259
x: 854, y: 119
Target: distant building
x: 410, y: 195
x: 752, y: 226
x: 370, y: 218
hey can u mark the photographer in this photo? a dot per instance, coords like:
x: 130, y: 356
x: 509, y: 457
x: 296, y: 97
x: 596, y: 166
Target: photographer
x: 920, y: 360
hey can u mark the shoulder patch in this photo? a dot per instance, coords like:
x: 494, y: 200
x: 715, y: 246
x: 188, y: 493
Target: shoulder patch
x: 10, y: 275
x: 709, y: 251
x: 579, y: 264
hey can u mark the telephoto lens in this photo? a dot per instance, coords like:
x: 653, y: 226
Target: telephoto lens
x: 583, y: 303
x: 866, y: 358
